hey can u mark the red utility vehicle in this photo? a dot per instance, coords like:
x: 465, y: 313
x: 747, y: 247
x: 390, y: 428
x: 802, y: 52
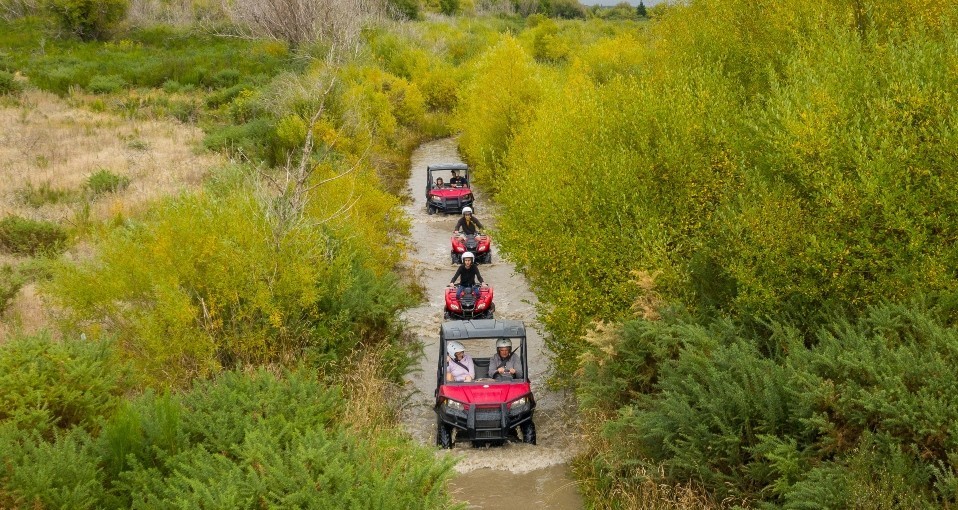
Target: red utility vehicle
x: 484, y: 410
x: 448, y: 198
x: 468, y: 306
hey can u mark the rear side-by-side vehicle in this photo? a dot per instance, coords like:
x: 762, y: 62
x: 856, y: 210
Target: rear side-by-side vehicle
x: 484, y: 410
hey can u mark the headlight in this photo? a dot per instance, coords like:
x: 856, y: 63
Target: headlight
x: 519, y: 406
x: 467, y: 196
x: 436, y: 199
x: 454, y: 306
x: 481, y: 306
x: 455, y: 406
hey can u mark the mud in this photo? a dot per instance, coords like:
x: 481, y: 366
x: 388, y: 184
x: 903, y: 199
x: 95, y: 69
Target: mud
x: 494, y: 476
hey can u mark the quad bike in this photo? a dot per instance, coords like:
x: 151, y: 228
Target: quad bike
x: 479, y: 244
x: 483, y: 411
x: 469, y: 306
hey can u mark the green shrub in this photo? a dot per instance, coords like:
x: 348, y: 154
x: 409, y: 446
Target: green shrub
x: 404, y: 9
x: 9, y: 84
x: 104, y: 181
x: 168, y: 284
x: 860, y: 416
x: 47, y: 385
x: 43, y: 194
x: 248, y: 439
x: 224, y: 96
x: 24, y: 236
x: 225, y: 78
x: 252, y: 139
x: 10, y: 282
x: 106, y: 84
x: 88, y: 19
x: 62, y: 473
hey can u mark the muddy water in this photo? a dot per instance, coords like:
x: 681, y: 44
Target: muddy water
x: 496, y: 477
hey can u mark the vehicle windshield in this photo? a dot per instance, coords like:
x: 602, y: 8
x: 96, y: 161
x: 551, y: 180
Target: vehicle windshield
x: 447, y: 178
x: 483, y: 353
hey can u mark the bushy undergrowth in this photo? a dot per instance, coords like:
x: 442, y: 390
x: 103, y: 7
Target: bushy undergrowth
x: 212, y: 281
x: 25, y: 236
x: 861, y: 418
x: 786, y: 165
x: 241, y: 440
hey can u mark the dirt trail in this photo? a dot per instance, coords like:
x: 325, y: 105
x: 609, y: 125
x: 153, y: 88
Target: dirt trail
x: 514, y: 474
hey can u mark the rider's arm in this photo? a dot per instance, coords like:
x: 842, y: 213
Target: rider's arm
x: 477, y: 222
x: 458, y: 272
x: 478, y: 276
x: 459, y: 225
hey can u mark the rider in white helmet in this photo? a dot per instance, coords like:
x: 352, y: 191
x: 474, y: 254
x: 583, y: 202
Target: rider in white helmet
x: 468, y: 275
x: 460, y: 367
x: 467, y: 224
x: 505, y: 364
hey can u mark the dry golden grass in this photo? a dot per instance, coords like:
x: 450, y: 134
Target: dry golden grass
x: 45, y: 141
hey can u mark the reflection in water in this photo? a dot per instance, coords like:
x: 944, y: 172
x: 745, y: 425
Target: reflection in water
x: 515, y: 474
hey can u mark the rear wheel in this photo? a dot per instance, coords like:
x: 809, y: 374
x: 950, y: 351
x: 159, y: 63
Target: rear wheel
x: 443, y: 435
x: 528, y: 432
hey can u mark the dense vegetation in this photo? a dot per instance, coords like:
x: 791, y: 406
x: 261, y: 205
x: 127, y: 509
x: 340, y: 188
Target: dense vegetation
x: 237, y: 345
x: 762, y: 308
x: 772, y: 216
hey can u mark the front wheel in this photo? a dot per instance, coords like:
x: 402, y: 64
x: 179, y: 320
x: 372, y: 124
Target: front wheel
x: 443, y: 435
x: 528, y: 432
x: 430, y: 210
x: 456, y: 259
x: 446, y: 316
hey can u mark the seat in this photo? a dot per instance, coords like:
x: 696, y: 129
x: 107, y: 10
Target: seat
x: 482, y: 367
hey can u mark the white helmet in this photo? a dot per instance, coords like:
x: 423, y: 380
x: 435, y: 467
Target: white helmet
x: 468, y: 255
x: 503, y: 342
x: 454, y: 347
x: 466, y: 210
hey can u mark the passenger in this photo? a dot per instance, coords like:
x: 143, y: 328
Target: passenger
x: 439, y: 183
x: 456, y: 180
x: 468, y: 224
x: 505, y: 364
x: 468, y: 274
x: 460, y: 367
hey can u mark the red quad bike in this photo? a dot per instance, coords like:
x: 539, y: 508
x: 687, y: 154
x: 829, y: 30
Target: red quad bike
x: 449, y: 198
x: 484, y: 411
x: 468, y: 306
x: 478, y: 244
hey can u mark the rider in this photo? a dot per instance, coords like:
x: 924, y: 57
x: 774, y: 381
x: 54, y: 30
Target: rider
x: 439, y: 182
x: 467, y: 225
x: 460, y: 367
x: 456, y: 180
x: 467, y: 273
x: 505, y: 364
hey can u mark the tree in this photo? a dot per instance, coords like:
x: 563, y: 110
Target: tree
x: 640, y: 10
x: 88, y: 19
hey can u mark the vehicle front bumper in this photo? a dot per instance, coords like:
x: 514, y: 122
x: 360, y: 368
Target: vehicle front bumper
x: 450, y: 205
x: 486, y: 422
